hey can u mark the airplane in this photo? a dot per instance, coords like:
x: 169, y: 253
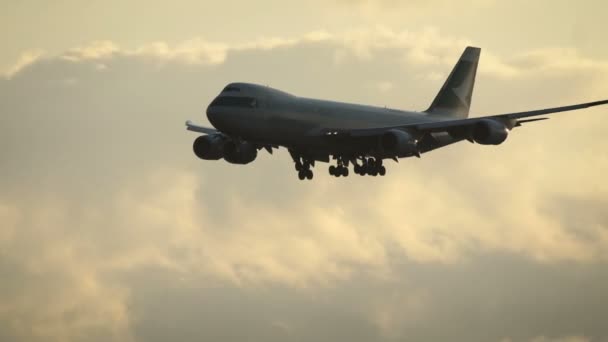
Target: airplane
x: 249, y: 117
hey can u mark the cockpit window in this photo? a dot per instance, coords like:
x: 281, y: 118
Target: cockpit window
x: 231, y: 88
x: 235, y: 101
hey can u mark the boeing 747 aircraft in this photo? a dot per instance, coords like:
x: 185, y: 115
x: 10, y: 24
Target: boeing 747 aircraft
x: 249, y: 117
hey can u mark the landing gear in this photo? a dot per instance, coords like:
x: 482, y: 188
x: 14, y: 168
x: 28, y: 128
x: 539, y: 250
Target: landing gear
x: 304, y: 171
x: 303, y: 166
x: 338, y: 171
x: 362, y: 165
x: 370, y: 166
x: 305, y: 174
x: 341, y: 169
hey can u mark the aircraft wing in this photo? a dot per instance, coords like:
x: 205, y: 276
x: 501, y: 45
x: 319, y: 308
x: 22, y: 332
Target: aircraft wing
x: 200, y: 129
x: 446, y: 125
x: 511, y: 116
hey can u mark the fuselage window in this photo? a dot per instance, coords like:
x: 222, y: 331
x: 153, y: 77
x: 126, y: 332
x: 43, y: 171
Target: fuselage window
x: 235, y: 101
x: 231, y: 88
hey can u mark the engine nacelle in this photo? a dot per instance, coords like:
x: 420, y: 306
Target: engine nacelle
x: 398, y: 142
x: 489, y: 132
x: 209, y: 147
x: 240, y: 153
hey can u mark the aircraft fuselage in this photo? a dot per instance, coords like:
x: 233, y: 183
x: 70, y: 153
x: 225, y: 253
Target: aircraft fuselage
x: 263, y: 114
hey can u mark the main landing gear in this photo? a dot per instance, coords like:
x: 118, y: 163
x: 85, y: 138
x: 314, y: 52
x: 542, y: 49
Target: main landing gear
x: 341, y: 169
x: 303, y: 166
x: 304, y: 171
x: 369, y: 166
x: 361, y: 166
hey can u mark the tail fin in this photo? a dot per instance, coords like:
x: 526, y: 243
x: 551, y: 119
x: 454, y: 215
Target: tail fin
x: 454, y: 98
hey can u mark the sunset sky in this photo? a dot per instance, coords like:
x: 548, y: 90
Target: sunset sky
x: 112, y: 230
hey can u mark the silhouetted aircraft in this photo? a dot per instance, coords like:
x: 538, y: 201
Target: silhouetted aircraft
x: 249, y: 117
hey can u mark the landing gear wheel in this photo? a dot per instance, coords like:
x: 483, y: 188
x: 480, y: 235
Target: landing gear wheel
x: 345, y: 171
x: 338, y: 172
x: 332, y: 170
x: 302, y: 174
x: 382, y: 170
x: 309, y: 174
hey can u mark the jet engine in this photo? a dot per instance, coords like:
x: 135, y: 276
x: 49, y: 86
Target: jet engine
x: 209, y: 147
x: 489, y: 132
x: 240, y: 152
x: 399, y: 142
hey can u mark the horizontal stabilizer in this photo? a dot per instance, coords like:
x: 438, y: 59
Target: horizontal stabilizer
x: 519, y: 122
x: 200, y: 129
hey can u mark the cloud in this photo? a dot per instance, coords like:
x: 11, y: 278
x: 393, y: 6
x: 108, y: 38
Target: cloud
x: 561, y: 339
x: 428, y: 47
x: 112, y: 229
x: 26, y: 58
x: 434, y: 5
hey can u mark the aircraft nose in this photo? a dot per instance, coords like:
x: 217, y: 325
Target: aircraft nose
x: 219, y: 117
x: 213, y: 115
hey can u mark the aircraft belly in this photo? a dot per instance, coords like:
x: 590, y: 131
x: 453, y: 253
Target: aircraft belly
x: 292, y: 129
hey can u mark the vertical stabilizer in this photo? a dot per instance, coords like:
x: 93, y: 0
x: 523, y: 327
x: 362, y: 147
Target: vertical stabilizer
x: 454, y: 98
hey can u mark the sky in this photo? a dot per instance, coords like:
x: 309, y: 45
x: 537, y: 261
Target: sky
x: 112, y: 230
